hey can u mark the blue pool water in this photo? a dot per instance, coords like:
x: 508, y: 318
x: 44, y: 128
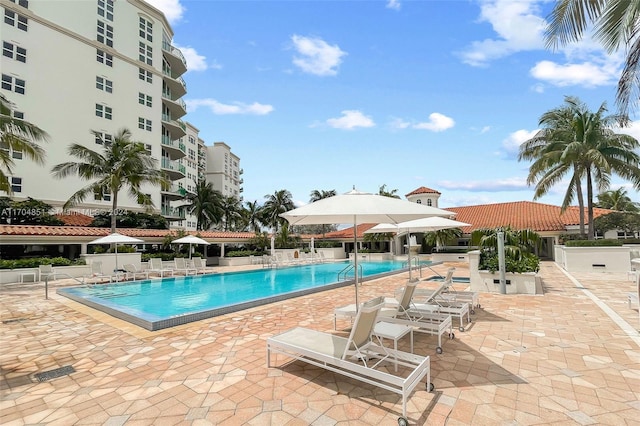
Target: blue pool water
x: 162, y: 303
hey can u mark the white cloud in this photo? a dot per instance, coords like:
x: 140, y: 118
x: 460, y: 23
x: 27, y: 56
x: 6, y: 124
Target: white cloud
x: 219, y: 108
x: 587, y: 74
x: 399, y: 123
x: 497, y: 185
x: 518, y: 27
x: 350, y: 120
x: 512, y: 143
x: 393, y: 4
x: 195, y: 61
x: 172, y: 9
x: 632, y: 130
x: 316, y: 56
x: 485, y: 129
x: 437, y: 123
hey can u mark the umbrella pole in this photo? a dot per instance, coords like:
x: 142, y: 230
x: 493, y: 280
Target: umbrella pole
x: 355, y: 258
x: 409, y: 253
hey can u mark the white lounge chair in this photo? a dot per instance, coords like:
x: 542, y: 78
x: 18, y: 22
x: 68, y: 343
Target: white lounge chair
x: 200, y: 266
x: 156, y: 266
x: 357, y: 356
x: 133, y: 272
x: 46, y: 272
x: 451, y: 294
x: 182, y: 267
x: 425, y: 318
x: 97, y: 275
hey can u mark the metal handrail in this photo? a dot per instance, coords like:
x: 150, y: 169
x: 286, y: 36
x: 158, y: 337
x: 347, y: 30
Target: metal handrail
x: 349, y: 268
x: 46, y: 283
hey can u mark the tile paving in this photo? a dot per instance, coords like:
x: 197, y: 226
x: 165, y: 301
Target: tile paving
x: 568, y: 357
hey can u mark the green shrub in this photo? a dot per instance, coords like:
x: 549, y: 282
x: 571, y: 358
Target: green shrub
x: 243, y: 253
x: 164, y: 256
x: 34, y: 262
x: 527, y: 263
x: 594, y: 243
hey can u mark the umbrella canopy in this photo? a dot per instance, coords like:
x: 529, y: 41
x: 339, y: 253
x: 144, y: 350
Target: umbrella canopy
x: 116, y: 238
x: 190, y: 239
x: 357, y: 207
x: 425, y: 224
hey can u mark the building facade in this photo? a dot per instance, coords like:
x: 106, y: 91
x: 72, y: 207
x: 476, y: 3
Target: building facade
x: 74, y: 68
x: 223, y: 170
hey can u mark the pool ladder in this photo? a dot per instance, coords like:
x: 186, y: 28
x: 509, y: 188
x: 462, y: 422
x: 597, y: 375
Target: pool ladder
x: 347, y: 269
x: 414, y: 263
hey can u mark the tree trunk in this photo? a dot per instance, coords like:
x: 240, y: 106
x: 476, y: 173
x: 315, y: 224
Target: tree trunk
x: 581, y: 206
x: 114, y: 206
x: 590, y: 205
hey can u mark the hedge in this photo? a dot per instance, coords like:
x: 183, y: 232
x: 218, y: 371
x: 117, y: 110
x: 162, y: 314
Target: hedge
x: 594, y: 243
x: 34, y: 262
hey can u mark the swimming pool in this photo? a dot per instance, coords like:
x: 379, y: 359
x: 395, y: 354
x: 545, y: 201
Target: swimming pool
x: 161, y: 303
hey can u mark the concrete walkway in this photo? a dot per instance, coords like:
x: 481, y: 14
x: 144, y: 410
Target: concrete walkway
x: 570, y: 356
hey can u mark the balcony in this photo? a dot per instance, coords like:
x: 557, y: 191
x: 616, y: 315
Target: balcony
x: 175, y: 58
x: 173, y: 192
x: 176, y: 86
x: 176, y: 107
x: 175, y: 127
x: 174, y: 170
x: 176, y: 150
x: 172, y: 213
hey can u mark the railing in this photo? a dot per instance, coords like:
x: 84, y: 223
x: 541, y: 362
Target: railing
x: 168, y: 47
x: 414, y: 263
x: 350, y: 268
x: 172, y: 212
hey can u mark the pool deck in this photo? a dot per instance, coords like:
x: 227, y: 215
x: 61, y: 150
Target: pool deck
x: 568, y: 357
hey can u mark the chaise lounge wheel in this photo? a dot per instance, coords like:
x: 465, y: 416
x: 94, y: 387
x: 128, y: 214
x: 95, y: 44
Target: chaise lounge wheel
x: 473, y: 312
x: 402, y: 421
x: 452, y: 336
x: 430, y: 387
x: 438, y: 350
x: 461, y: 328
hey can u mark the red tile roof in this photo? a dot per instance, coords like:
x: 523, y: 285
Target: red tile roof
x: 518, y: 215
x: 423, y: 190
x: 75, y: 219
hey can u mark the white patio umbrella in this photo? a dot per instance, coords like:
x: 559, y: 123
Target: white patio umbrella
x: 117, y: 238
x: 356, y: 208
x: 425, y: 224
x: 190, y: 239
x: 273, y: 246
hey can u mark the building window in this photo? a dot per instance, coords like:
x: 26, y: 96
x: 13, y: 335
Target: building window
x: 16, y: 20
x: 16, y: 184
x: 104, y: 196
x: 418, y: 201
x: 145, y: 53
x: 147, y: 148
x: 429, y: 202
x: 104, y: 58
x: 192, y: 154
x: 146, y: 29
x: 13, y: 84
x: 104, y: 138
x: 144, y: 124
x: 144, y: 99
x: 105, y: 34
x: 19, y: 115
x: 23, y: 3
x: 104, y: 84
x: 14, y: 52
x: 104, y: 111
x: 145, y: 75
x: 105, y: 9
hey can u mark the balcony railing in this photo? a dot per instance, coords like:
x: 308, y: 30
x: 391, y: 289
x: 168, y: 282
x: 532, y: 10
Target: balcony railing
x: 168, y: 47
x: 172, y: 165
x: 172, y: 212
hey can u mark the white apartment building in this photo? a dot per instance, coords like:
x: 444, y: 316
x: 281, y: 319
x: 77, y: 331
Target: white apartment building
x: 223, y: 170
x: 71, y: 67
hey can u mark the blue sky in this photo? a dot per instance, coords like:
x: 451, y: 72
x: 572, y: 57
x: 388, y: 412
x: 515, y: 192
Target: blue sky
x: 334, y: 94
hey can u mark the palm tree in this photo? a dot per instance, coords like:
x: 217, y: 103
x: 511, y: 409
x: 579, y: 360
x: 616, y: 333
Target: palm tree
x: 231, y: 212
x: 615, y: 24
x: 383, y: 191
x: 442, y: 236
x: 253, y: 216
x: 576, y: 139
x: 205, y: 204
x: 617, y: 200
x: 279, y: 202
x: 516, y: 241
x: 319, y: 195
x: 17, y: 135
x: 124, y: 163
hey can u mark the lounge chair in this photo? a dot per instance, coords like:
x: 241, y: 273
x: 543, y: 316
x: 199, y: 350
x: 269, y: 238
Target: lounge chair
x: 200, y: 267
x: 425, y: 318
x: 156, y: 266
x: 357, y: 356
x: 133, y: 273
x: 181, y: 266
x: 450, y: 294
x: 96, y: 274
x: 46, y: 272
